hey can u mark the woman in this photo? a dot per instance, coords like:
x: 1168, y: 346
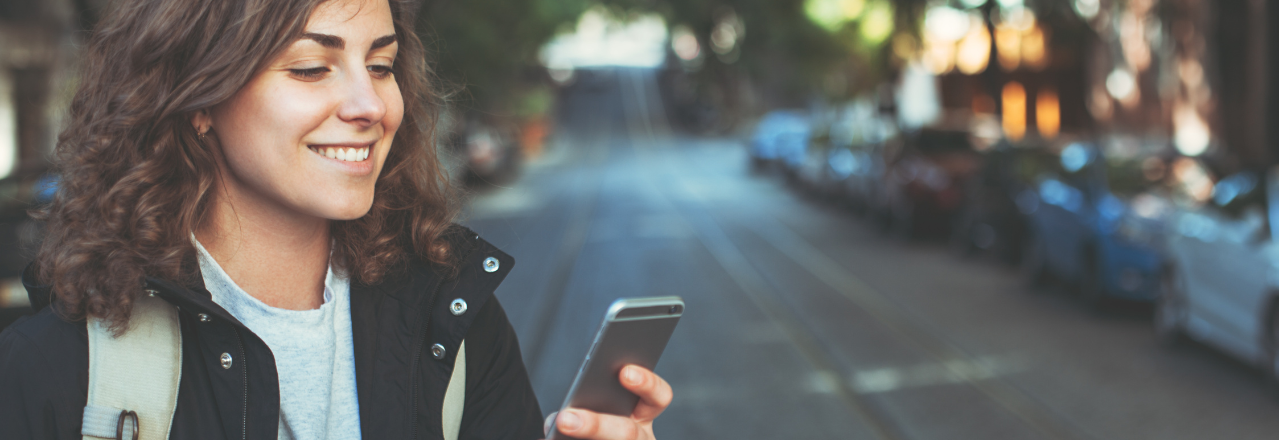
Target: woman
x: 266, y: 167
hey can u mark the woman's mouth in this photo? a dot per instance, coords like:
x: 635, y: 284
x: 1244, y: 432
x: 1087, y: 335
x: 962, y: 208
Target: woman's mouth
x: 346, y: 154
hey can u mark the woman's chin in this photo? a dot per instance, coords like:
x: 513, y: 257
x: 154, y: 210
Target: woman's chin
x: 350, y: 213
x: 349, y: 209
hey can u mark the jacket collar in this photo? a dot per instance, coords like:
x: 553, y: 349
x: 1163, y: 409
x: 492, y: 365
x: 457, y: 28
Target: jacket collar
x: 405, y: 288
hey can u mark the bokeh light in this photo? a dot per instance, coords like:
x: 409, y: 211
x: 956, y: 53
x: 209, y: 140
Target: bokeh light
x: 1014, y: 100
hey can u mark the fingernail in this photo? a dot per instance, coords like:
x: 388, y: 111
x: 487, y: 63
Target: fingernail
x: 633, y: 375
x: 570, y: 421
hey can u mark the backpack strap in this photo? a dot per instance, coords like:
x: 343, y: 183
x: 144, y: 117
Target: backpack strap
x: 455, y: 396
x: 133, y: 378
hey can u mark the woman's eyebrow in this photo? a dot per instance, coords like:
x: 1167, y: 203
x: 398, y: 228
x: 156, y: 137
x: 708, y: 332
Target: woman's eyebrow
x: 336, y: 42
x: 382, y: 42
x: 328, y: 41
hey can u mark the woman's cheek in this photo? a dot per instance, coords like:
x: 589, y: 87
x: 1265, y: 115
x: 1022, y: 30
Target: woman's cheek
x: 394, y: 110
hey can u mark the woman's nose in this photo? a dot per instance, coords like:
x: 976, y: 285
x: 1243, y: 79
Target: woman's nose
x: 362, y: 104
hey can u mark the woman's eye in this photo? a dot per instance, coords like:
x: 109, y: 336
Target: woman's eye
x: 380, y: 71
x: 313, y: 73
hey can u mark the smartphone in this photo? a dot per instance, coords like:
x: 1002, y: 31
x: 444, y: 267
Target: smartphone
x: 635, y: 332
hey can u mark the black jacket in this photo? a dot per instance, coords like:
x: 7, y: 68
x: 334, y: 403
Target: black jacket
x: 44, y: 362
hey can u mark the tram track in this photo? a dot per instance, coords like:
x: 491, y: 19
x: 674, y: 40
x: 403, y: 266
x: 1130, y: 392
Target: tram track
x: 886, y: 313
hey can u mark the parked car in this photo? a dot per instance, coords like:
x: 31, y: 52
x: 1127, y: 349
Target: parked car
x: 492, y: 153
x: 1221, y: 279
x: 922, y: 186
x: 828, y: 158
x: 870, y: 136
x: 1097, y: 225
x: 816, y: 173
x: 778, y: 133
x: 996, y: 201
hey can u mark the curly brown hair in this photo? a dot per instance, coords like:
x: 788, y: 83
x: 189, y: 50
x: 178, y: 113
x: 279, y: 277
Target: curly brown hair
x: 136, y: 180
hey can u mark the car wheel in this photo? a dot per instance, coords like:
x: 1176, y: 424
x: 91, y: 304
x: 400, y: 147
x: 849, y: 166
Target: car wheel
x: 1092, y: 291
x: 1170, y: 310
x: 1034, y: 264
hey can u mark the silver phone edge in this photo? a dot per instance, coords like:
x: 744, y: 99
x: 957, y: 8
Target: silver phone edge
x: 616, y: 307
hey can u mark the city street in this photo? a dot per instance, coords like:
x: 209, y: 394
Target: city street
x: 803, y: 321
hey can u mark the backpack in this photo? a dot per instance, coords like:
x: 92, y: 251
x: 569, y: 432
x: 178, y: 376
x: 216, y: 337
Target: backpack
x: 133, y: 378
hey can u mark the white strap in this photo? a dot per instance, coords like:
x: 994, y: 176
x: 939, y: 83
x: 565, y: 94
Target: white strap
x: 138, y: 371
x: 102, y: 422
x: 455, y: 396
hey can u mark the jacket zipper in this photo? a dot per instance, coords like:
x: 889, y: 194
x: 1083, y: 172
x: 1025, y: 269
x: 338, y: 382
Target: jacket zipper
x: 244, y: 370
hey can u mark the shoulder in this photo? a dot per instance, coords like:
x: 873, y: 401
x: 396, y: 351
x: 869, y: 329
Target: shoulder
x: 466, y: 243
x: 43, y: 336
x: 479, y: 266
x: 44, y: 364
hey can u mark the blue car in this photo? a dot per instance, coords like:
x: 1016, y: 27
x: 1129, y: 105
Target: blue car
x: 781, y: 136
x: 1097, y: 225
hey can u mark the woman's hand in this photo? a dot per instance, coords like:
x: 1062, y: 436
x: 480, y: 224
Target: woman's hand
x: 654, y: 393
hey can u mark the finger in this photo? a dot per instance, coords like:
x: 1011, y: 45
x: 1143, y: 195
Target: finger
x: 546, y: 425
x: 587, y: 425
x: 654, y: 393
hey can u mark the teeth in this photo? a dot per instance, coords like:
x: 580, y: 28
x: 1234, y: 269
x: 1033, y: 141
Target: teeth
x: 342, y: 154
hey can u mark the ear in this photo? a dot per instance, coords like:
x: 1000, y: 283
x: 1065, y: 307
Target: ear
x: 202, y: 121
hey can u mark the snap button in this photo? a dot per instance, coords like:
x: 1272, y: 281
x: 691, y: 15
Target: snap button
x: 490, y: 264
x: 226, y: 361
x: 438, y: 351
x: 203, y: 317
x: 458, y: 307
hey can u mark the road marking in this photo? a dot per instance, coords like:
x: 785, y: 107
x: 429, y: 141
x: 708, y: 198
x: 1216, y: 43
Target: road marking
x: 956, y: 371
x: 895, y: 318
x: 752, y: 285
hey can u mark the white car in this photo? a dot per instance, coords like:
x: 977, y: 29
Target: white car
x: 1220, y: 284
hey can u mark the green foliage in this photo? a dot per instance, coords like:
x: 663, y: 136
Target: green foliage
x: 488, y: 48
x: 791, y: 47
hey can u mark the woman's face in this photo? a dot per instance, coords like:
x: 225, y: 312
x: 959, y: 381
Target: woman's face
x: 309, y: 134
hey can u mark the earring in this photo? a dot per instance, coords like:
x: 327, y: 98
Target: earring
x: 202, y: 135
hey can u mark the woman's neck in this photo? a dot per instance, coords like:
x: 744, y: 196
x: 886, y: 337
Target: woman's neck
x: 281, y: 260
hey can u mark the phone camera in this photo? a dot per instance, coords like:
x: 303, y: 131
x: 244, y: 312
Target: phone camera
x: 676, y: 309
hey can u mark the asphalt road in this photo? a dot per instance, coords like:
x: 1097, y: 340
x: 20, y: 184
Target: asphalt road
x: 802, y: 321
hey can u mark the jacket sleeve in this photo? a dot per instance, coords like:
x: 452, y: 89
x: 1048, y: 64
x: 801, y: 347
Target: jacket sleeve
x: 42, y: 396
x: 500, y: 403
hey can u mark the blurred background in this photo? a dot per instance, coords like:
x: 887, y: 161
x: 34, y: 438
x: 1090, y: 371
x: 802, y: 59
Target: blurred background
x: 890, y: 219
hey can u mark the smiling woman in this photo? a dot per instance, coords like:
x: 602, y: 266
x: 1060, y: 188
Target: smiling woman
x: 266, y: 169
